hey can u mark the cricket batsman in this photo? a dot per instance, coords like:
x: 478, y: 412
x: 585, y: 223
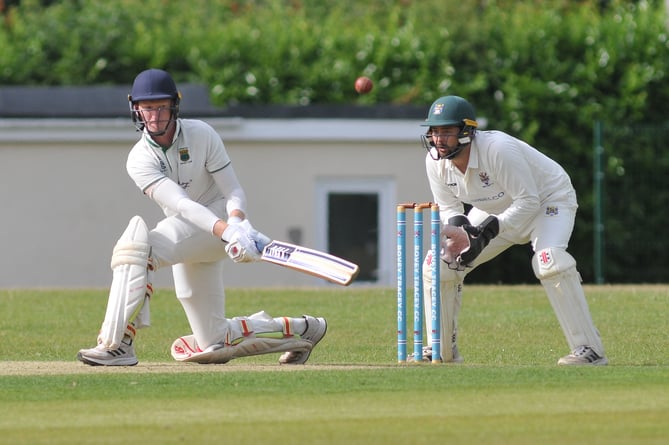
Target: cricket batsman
x: 182, y: 165
x: 517, y: 195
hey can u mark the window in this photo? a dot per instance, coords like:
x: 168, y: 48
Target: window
x: 355, y: 221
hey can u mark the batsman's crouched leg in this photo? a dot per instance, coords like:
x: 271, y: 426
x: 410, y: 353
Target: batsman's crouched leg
x: 296, y: 348
x: 185, y: 349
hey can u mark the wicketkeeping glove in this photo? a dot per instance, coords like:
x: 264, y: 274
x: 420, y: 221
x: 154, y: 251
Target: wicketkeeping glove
x: 479, y: 237
x: 454, y: 240
x: 462, y: 243
x: 244, y: 243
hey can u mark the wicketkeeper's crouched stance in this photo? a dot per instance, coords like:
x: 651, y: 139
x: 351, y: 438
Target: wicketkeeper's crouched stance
x: 553, y: 266
x: 183, y: 166
x: 517, y: 195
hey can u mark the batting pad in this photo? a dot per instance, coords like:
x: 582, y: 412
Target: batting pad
x: 556, y: 269
x: 185, y: 349
x: 128, y: 290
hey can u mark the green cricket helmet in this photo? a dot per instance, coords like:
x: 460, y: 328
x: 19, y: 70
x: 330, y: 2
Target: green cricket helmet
x: 450, y: 111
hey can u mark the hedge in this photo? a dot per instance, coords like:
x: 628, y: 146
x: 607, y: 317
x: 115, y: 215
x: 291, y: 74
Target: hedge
x: 544, y: 71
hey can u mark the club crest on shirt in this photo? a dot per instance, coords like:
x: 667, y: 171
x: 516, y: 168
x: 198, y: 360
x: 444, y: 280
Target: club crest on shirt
x: 184, y: 155
x: 551, y: 210
x: 485, y: 179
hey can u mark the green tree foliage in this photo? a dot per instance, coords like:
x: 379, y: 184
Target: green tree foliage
x: 544, y: 71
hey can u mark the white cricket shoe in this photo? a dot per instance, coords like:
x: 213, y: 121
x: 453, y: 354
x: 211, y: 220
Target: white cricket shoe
x: 124, y: 355
x: 316, y: 328
x: 583, y: 355
x: 427, y: 355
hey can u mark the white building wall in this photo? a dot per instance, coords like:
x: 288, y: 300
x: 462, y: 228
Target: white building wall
x: 65, y: 195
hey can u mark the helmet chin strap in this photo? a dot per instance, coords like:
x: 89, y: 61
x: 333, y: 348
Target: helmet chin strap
x: 161, y: 132
x: 464, y: 139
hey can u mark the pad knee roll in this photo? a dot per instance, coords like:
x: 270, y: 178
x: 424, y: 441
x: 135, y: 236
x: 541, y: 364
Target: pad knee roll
x: 133, y: 246
x: 552, y: 261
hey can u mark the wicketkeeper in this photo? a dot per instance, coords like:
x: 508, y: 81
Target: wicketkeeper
x: 518, y: 196
x: 183, y: 166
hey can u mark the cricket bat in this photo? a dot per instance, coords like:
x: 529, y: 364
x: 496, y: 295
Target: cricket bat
x: 316, y: 263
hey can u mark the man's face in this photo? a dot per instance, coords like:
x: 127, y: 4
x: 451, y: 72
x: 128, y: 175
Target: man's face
x: 156, y: 114
x: 445, y: 139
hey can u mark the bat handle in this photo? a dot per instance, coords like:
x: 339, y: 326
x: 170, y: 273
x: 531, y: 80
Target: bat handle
x: 261, y: 244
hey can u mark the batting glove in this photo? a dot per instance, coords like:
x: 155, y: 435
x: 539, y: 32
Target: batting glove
x: 260, y: 239
x: 242, y: 242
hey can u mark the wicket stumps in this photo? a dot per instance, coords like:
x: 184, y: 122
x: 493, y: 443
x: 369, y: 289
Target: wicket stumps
x: 418, y: 309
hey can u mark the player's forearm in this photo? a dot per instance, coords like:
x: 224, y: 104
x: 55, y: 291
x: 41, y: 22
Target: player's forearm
x: 227, y: 182
x: 170, y: 195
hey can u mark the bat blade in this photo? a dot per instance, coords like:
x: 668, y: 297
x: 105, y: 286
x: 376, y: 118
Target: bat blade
x: 319, y: 264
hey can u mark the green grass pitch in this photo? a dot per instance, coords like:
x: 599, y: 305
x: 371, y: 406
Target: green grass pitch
x: 352, y: 391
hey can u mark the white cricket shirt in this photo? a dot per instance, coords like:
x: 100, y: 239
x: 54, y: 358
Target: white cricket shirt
x: 191, y: 178
x: 505, y: 177
x: 196, y: 153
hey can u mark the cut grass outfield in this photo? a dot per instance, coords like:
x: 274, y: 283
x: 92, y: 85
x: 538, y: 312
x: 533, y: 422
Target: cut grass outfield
x: 508, y: 391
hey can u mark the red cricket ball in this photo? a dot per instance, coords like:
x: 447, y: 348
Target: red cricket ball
x: 363, y: 85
